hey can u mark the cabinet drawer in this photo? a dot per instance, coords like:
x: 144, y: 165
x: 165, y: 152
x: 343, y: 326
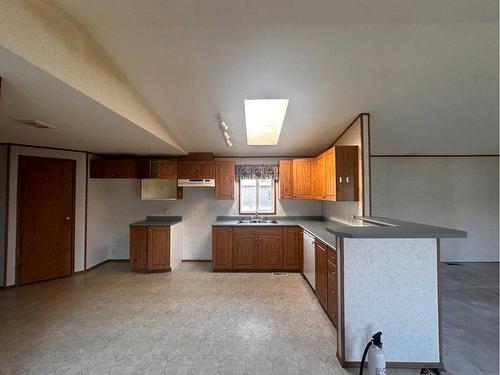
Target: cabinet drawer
x: 332, y: 308
x: 332, y: 270
x: 332, y: 283
x: 332, y: 256
x: 258, y: 230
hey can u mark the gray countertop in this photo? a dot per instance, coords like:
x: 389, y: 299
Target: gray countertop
x: 394, y: 229
x: 312, y: 224
x: 159, y: 221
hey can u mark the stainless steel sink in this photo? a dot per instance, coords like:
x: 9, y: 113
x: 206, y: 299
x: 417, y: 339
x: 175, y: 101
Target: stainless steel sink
x: 258, y: 221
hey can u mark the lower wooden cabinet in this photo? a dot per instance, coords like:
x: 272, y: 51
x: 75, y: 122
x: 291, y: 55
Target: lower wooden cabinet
x: 293, y: 248
x: 245, y: 255
x: 321, y: 273
x: 332, y: 296
x: 270, y: 251
x: 222, y: 248
x: 150, y: 248
x: 254, y: 248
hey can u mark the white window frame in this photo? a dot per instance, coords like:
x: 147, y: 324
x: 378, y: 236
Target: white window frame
x: 273, y: 199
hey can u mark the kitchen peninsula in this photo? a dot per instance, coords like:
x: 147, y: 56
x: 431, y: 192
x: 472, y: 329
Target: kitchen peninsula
x: 354, y: 269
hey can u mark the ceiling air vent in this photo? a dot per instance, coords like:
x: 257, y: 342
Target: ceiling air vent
x: 36, y: 123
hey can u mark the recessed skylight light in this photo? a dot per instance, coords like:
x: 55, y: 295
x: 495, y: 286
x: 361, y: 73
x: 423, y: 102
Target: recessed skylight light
x: 264, y: 119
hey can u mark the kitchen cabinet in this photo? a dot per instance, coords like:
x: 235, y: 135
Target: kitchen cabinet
x: 292, y: 248
x: 254, y: 248
x: 321, y: 273
x: 270, y: 251
x: 346, y: 173
x: 332, y: 294
x: 224, y: 180
x: 164, y: 169
x: 302, y: 179
x: 222, y: 248
x: 189, y: 169
x: 119, y: 168
x: 286, y: 179
x: 245, y: 254
x: 150, y: 248
x: 319, y: 177
x: 332, y: 175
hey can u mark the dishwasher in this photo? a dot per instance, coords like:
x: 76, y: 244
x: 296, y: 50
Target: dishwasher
x: 309, y: 259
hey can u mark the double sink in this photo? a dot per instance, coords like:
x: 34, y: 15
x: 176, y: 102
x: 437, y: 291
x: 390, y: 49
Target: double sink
x: 264, y: 220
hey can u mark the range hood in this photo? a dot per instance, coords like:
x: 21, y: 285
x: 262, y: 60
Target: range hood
x: 196, y: 182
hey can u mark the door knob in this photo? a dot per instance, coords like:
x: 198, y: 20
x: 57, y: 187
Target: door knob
x: 68, y: 218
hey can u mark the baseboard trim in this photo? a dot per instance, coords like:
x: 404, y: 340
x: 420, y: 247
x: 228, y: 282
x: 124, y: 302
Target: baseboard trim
x: 104, y: 262
x: 197, y: 260
x: 406, y: 365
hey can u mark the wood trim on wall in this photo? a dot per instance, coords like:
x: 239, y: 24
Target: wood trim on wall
x: 361, y: 193
x: 6, y: 235
x: 348, y: 126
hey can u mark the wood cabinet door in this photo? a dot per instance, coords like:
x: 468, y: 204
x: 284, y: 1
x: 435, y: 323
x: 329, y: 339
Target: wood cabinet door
x: 114, y: 168
x: 222, y: 248
x: 188, y: 169
x: 166, y: 169
x: 302, y: 178
x: 286, y: 179
x: 293, y: 246
x: 224, y: 180
x: 158, y: 248
x: 270, y: 251
x: 319, y: 177
x: 245, y: 254
x: 138, y: 248
x: 330, y: 180
x: 346, y: 164
x: 332, y: 302
x: 207, y: 169
x: 321, y: 273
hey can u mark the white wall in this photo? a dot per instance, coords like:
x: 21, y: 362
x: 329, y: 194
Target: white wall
x: 80, y: 158
x: 3, y: 205
x: 98, y: 215
x: 456, y: 192
x: 198, y: 209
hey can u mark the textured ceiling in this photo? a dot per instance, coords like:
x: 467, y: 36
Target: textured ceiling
x: 427, y: 71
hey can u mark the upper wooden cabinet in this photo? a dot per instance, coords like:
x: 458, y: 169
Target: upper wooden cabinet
x: 196, y: 169
x: 318, y: 177
x: 346, y: 173
x: 286, y: 179
x: 302, y: 178
x: 119, y: 168
x: 164, y: 169
x: 332, y: 175
x: 224, y: 180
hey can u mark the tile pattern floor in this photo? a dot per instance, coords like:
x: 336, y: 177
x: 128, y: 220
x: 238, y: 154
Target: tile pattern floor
x: 190, y: 321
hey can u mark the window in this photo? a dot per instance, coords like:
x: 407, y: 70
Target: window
x: 257, y: 196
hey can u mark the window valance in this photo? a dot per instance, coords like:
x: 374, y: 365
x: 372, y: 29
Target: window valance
x: 262, y: 171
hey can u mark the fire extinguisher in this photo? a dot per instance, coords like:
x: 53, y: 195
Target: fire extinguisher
x: 376, y: 358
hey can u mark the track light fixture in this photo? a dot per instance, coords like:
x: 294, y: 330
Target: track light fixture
x: 224, y: 130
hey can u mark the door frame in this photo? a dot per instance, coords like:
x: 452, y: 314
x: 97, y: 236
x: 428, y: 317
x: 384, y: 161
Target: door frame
x: 18, y: 211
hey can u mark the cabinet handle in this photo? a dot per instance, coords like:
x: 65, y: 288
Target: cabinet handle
x: 347, y: 179
x: 340, y: 179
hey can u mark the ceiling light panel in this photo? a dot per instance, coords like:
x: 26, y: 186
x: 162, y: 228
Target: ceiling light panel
x: 264, y: 120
